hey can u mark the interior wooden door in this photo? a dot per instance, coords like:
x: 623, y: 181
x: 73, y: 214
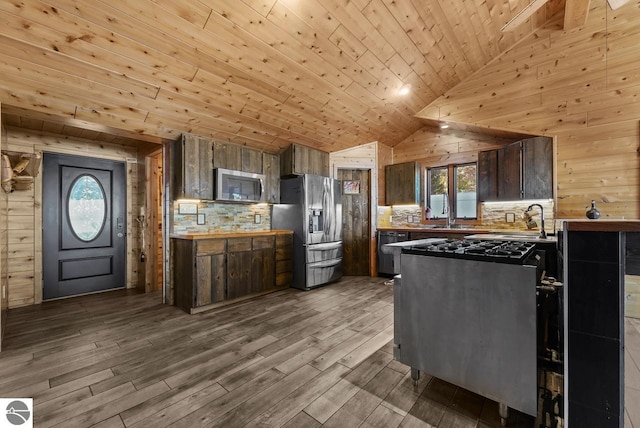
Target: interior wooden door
x: 356, y: 220
x: 84, y: 225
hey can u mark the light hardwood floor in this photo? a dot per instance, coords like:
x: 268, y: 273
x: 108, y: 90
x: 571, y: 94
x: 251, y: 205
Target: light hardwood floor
x: 292, y: 358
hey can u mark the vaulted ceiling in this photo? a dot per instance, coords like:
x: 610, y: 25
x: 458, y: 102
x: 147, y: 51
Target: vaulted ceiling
x: 264, y: 73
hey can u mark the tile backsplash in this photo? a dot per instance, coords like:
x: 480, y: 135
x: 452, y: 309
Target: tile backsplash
x: 223, y: 217
x: 491, y: 215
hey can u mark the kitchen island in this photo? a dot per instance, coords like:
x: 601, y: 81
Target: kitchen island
x: 465, y: 312
x: 215, y: 269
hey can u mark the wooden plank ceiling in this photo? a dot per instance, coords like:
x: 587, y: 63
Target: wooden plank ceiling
x: 265, y: 73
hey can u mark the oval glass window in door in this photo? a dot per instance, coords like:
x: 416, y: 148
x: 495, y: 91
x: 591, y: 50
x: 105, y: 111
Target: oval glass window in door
x: 86, y: 208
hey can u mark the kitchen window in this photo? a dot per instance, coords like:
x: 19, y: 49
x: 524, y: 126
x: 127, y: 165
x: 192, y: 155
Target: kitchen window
x: 453, y: 188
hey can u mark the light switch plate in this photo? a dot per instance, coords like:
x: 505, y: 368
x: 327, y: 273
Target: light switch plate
x: 256, y: 219
x: 510, y: 217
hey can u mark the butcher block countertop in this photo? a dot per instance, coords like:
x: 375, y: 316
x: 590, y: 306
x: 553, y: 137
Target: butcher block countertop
x: 603, y: 225
x: 223, y: 235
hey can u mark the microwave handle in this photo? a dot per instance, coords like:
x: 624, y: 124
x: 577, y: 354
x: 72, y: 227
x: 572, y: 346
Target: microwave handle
x: 261, y: 196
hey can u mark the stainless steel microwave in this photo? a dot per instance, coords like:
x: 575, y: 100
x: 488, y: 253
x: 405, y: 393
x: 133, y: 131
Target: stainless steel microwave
x: 237, y: 186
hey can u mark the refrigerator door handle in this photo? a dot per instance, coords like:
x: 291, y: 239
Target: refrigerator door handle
x: 325, y: 247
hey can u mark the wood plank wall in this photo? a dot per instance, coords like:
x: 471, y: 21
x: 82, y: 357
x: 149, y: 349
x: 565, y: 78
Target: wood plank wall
x: 25, y: 211
x: 580, y: 86
x: 385, y: 157
x: 153, y: 216
x: 435, y: 147
x: 4, y: 248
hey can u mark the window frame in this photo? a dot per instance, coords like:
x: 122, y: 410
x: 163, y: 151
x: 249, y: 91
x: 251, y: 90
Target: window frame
x: 427, y: 202
x: 455, y: 192
x: 452, y: 186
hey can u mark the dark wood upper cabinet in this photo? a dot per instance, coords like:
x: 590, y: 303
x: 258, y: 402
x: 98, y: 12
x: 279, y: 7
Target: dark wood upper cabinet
x: 509, y: 161
x: 193, y: 159
x: 521, y: 170
x: 488, y: 175
x: 537, y: 168
x: 271, y: 171
x: 191, y: 171
x: 227, y: 155
x: 298, y: 160
x: 251, y: 160
x: 402, y: 183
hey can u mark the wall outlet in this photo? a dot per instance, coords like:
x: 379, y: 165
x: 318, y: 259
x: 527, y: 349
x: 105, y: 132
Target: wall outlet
x: 510, y: 217
x: 410, y: 218
x: 257, y: 219
x: 4, y: 292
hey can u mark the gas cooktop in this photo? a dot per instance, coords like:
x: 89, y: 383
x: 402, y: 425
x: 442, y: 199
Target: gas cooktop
x: 471, y: 249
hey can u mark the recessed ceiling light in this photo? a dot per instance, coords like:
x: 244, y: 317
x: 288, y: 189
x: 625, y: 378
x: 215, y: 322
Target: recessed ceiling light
x: 404, y: 90
x: 444, y: 125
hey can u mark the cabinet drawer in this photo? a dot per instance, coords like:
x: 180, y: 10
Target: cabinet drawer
x: 211, y: 246
x: 238, y: 244
x: 262, y: 242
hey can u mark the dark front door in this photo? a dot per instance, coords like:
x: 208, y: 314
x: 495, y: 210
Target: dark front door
x: 84, y: 225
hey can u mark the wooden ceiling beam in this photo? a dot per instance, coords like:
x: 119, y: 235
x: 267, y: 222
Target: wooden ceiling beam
x: 575, y: 13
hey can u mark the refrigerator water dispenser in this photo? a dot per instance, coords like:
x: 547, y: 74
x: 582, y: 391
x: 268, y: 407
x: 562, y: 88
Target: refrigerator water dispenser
x: 315, y: 220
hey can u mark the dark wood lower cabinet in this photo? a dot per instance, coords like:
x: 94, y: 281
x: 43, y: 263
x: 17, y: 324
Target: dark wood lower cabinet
x: 284, y: 261
x: 211, y: 272
x: 238, y: 267
x: 263, y: 269
x: 211, y: 279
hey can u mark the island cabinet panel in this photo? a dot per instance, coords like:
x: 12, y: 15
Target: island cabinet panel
x: 209, y: 272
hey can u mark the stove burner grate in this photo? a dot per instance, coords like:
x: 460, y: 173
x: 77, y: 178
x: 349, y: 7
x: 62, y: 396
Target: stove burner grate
x: 494, y: 250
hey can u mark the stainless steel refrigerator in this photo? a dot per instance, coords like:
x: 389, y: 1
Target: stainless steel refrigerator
x: 311, y: 206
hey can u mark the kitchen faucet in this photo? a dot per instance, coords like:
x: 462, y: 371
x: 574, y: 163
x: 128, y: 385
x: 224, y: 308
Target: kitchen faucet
x: 445, y: 210
x: 543, y: 234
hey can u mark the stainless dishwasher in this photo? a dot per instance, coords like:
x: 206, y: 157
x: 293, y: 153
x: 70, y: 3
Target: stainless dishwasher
x: 385, y: 261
